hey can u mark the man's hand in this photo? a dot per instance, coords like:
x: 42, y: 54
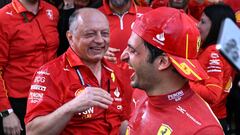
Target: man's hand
x: 89, y: 97
x: 11, y: 125
x: 110, y: 54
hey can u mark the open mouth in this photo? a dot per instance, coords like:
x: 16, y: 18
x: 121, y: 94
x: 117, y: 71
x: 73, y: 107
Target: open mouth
x: 97, y: 49
x: 133, y: 72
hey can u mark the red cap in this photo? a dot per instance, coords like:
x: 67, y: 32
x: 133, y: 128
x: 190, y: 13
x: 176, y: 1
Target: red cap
x: 174, y: 32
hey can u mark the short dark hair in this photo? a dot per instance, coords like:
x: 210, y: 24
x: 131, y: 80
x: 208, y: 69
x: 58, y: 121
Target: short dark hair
x: 154, y: 52
x: 216, y: 13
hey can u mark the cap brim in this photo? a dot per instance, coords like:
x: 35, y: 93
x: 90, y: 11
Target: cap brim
x: 189, y: 68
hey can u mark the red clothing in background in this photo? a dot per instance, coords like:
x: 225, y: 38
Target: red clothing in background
x: 27, y: 41
x: 235, y: 4
x: 215, y: 89
x: 57, y: 83
x: 120, y: 27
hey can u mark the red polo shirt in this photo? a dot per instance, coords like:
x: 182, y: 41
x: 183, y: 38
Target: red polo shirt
x: 57, y: 83
x: 120, y: 27
x: 27, y: 41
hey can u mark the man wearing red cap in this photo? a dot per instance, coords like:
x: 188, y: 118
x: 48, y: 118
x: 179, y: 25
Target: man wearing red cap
x: 163, y: 57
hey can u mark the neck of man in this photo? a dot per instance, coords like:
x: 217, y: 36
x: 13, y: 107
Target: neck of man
x: 122, y: 10
x: 96, y: 69
x: 31, y: 5
x: 168, y: 84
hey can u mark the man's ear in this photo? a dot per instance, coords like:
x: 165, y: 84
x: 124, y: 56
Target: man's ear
x: 163, y: 62
x: 69, y: 36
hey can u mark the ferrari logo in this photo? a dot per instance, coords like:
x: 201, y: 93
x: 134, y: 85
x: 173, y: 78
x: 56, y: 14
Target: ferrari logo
x: 164, y: 130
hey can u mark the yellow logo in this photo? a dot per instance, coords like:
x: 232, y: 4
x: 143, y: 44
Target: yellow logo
x: 198, y: 43
x: 237, y: 14
x: 228, y: 85
x: 113, y: 77
x: 164, y: 130
x: 185, y: 68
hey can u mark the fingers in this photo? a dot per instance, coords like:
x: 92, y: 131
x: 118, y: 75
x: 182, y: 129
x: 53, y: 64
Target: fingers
x: 110, y: 54
x: 99, y: 94
x: 113, y: 50
x: 11, y: 126
x: 111, y: 59
x: 98, y: 97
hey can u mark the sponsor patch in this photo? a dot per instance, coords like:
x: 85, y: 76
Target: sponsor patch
x: 38, y: 87
x: 39, y: 79
x: 35, y: 97
x: 176, y: 96
x: 43, y: 73
x: 184, y: 111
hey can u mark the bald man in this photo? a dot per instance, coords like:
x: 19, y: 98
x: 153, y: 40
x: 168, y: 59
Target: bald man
x: 79, y: 92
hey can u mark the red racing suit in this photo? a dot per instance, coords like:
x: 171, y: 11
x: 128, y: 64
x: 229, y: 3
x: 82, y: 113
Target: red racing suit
x: 57, y: 83
x: 215, y: 89
x: 27, y: 42
x: 178, y: 113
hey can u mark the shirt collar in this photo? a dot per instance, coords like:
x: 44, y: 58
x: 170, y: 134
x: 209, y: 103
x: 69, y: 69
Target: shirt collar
x: 75, y: 61
x: 19, y: 8
x: 171, y: 98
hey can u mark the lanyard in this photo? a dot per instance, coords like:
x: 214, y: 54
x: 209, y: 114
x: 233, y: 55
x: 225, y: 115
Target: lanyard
x: 80, y: 76
x: 83, y: 83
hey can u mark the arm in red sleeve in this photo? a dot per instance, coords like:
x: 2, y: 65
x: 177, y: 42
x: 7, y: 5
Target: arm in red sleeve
x: 4, y: 49
x: 210, y: 89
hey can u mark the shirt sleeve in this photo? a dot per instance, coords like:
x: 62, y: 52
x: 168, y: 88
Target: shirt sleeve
x: 44, y: 95
x: 4, y: 49
x: 210, y: 89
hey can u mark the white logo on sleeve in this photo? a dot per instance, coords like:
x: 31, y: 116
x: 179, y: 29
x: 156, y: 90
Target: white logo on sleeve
x: 49, y: 13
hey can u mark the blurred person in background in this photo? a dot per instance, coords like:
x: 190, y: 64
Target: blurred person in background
x: 28, y: 39
x: 215, y: 89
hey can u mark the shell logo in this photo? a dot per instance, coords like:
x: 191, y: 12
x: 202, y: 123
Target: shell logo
x: 78, y: 92
x: 164, y: 130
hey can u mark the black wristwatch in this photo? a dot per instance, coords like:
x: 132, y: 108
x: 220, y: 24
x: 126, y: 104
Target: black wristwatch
x: 5, y: 113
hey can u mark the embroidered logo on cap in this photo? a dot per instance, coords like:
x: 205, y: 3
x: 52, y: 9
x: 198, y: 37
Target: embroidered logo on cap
x: 159, y: 38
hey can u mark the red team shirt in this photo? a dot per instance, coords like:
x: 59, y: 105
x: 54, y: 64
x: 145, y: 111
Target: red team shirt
x: 215, y: 89
x: 179, y: 113
x: 120, y: 27
x: 24, y: 47
x: 57, y: 83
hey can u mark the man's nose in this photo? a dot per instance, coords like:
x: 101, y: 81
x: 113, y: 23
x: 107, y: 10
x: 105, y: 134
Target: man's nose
x: 99, y: 38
